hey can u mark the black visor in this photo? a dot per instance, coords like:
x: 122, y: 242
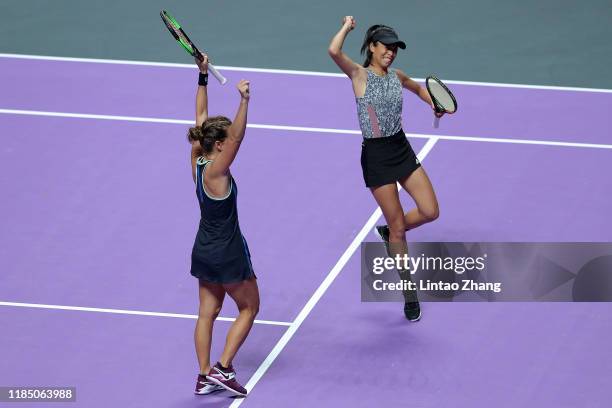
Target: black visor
x: 389, y: 37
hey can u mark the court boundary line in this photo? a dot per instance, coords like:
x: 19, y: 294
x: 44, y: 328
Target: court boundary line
x: 287, y: 72
x: 303, y: 129
x: 323, y: 286
x: 130, y: 312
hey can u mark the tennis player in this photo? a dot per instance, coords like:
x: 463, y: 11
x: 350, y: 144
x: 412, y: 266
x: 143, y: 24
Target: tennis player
x: 220, y: 258
x: 386, y: 156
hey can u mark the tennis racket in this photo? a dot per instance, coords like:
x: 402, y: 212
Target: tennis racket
x: 179, y: 35
x: 442, y: 98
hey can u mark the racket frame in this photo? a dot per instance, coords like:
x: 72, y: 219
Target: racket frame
x: 439, y: 107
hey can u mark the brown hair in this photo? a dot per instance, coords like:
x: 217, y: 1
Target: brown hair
x: 212, y: 130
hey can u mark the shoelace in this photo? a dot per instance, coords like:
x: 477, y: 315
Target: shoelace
x: 226, y: 376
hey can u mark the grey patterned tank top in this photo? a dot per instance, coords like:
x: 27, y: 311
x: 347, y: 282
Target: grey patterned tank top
x: 380, y: 108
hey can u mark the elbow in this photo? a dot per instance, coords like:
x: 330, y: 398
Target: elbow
x: 333, y: 52
x: 201, y: 119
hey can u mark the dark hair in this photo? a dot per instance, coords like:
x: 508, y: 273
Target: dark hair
x: 368, y: 39
x: 212, y: 130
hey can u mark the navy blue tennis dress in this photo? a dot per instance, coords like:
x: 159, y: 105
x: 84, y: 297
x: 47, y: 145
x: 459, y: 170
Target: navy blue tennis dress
x: 220, y: 253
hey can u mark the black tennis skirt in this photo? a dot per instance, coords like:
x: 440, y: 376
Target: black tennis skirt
x: 386, y: 160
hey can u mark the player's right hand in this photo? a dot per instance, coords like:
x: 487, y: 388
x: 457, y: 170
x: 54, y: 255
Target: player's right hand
x: 437, y: 113
x: 348, y: 23
x: 243, y: 88
x: 203, y: 65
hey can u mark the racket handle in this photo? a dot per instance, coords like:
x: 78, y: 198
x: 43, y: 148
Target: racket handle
x: 222, y: 80
x: 436, y: 122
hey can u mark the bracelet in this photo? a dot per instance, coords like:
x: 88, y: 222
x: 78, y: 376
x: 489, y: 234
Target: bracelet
x: 202, y: 79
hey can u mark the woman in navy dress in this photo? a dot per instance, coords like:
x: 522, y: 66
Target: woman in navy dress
x: 220, y: 258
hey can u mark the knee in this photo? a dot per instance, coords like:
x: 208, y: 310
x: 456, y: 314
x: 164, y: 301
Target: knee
x: 209, y: 313
x: 254, y: 310
x: 431, y: 214
x: 250, y: 309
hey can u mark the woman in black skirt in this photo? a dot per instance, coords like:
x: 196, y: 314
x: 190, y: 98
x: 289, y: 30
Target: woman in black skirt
x: 220, y: 258
x: 387, y: 157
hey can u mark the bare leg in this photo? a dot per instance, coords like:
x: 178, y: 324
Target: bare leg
x: 211, y: 300
x: 387, y: 198
x: 246, y: 296
x: 420, y: 189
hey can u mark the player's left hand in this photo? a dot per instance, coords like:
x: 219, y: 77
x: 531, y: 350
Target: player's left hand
x: 244, y: 89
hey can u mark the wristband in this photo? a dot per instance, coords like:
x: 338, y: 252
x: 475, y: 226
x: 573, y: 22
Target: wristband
x: 203, y: 79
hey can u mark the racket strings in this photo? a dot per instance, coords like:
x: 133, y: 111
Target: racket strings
x: 185, y: 42
x: 443, y: 98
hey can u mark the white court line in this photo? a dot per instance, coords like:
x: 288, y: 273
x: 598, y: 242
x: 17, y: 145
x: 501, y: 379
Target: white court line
x: 287, y: 72
x: 329, y: 279
x: 302, y: 129
x: 95, y: 116
x: 130, y: 312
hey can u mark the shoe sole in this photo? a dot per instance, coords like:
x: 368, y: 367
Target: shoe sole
x: 219, y: 388
x: 219, y: 383
x: 415, y: 320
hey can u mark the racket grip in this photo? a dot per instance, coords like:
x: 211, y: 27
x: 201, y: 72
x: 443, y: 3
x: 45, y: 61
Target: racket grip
x: 436, y: 122
x: 222, y: 80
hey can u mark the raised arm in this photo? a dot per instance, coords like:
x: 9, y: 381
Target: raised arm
x: 347, y: 65
x: 235, y: 135
x: 202, y: 93
x: 417, y: 89
x: 201, y: 112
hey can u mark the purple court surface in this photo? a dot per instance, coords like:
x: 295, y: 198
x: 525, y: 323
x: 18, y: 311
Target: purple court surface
x: 99, y: 215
